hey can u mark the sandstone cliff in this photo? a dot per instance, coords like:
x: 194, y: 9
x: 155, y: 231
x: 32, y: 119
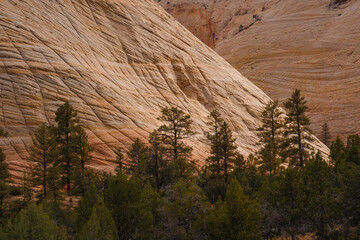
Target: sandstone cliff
x: 282, y: 45
x: 117, y: 62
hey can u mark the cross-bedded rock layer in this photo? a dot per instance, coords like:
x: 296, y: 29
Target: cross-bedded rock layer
x: 282, y: 45
x: 118, y: 62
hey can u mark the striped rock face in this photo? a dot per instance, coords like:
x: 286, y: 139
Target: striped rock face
x: 118, y: 62
x: 282, y: 45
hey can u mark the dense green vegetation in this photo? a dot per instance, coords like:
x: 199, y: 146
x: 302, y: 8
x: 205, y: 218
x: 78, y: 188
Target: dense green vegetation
x: 158, y: 192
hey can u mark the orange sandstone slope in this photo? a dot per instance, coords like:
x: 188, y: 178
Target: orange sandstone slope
x: 117, y: 62
x: 282, y: 45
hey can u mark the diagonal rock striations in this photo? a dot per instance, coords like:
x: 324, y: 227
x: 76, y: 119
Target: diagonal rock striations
x: 118, y: 62
x: 282, y: 45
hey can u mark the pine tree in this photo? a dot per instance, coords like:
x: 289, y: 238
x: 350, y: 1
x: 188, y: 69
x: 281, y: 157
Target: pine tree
x: 228, y: 150
x: 244, y: 213
x: 119, y: 161
x: 131, y: 207
x: 353, y: 148
x: 337, y: 150
x: 158, y: 166
x: 33, y: 223
x: 86, y: 205
x: 84, y: 151
x: 42, y: 156
x: 4, y: 174
x: 139, y: 155
x: 238, y: 217
x: 66, y: 137
x: 282, y: 212
x: 173, y: 134
x: 215, y: 160
x: 26, y: 186
x: 4, y: 178
x: 223, y: 152
x: 183, y: 215
x: 297, y: 131
x: 55, y: 185
x: 325, y: 135
x: 100, y: 225
x: 270, y: 134
x: 323, y: 212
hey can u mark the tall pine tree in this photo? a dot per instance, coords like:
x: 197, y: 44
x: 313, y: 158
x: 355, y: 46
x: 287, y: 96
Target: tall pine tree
x: 4, y: 174
x: 337, y: 150
x: 223, y: 152
x: 176, y: 129
x: 119, y: 161
x: 139, y: 155
x: 215, y: 160
x: 325, y: 134
x: 228, y: 150
x: 66, y: 132
x: 297, y: 131
x: 84, y: 151
x: 270, y: 134
x: 158, y: 166
x: 4, y: 178
x: 42, y: 156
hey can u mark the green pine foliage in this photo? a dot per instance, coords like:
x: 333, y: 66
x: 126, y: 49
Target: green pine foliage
x: 177, y: 127
x: 325, y: 134
x: 337, y: 150
x: 4, y: 179
x: 282, y: 214
x: 183, y: 213
x: 119, y: 161
x: 238, y: 217
x: 33, y: 223
x: 353, y: 149
x: 66, y: 132
x: 161, y: 197
x: 228, y: 150
x: 215, y: 160
x: 138, y: 155
x: 4, y: 175
x: 26, y: 187
x: 131, y: 207
x: 323, y: 213
x: 297, y: 131
x: 86, y: 205
x: 42, y: 156
x: 158, y: 168
x: 100, y: 225
x: 223, y: 151
x: 223, y: 158
x: 271, y: 137
x: 82, y: 176
x: 94, y: 220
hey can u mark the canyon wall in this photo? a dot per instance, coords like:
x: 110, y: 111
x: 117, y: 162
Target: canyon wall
x: 282, y: 45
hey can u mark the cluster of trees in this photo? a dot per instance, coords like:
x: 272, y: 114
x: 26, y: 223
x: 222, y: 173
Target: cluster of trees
x: 158, y: 192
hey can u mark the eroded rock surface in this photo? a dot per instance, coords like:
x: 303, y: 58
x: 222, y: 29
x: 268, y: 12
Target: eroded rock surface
x: 117, y: 62
x: 282, y: 45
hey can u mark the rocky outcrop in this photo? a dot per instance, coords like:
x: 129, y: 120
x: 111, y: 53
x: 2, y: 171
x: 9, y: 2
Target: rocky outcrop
x: 283, y: 45
x: 118, y: 62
